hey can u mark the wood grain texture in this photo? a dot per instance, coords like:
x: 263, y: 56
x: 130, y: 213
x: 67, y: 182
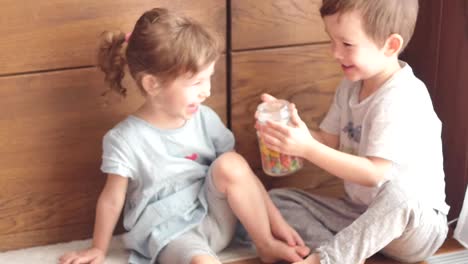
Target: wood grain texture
x: 51, y: 128
x: 305, y: 75
x: 56, y: 34
x: 422, y: 52
x: 272, y: 23
x: 450, y: 100
x: 438, y: 53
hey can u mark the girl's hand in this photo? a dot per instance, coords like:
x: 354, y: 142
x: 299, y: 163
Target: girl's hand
x: 90, y: 255
x: 283, y: 231
x: 292, y: 139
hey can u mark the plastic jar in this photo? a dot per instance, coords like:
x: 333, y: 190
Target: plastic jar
x: 273, y: 162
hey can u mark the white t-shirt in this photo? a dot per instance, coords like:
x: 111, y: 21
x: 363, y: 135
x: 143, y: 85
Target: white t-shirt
x: 396, y: 123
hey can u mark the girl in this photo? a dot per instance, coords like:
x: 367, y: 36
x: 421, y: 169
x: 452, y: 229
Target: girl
x: 172, y: 161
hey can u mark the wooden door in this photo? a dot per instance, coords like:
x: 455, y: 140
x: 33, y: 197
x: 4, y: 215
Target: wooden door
x: 439, y: 55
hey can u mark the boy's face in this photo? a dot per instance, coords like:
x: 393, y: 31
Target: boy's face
x: 180, y: 100
x: 360, y: 57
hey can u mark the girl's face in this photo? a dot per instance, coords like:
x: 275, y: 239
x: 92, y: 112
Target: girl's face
x: 179, y: 101
x: 360, y: 57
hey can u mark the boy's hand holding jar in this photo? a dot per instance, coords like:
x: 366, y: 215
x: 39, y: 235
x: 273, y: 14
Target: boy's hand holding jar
x: 281, y: 134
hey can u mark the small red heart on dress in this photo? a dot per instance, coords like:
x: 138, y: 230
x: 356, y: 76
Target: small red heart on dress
x: 194, y: 156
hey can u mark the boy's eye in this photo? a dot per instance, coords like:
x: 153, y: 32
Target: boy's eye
x: 347, y: 44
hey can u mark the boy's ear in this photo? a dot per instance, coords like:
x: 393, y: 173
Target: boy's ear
x: 150, y: 84
x: 393, y: 45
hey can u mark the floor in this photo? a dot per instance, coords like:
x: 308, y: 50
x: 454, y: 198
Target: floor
x: 450, y: 245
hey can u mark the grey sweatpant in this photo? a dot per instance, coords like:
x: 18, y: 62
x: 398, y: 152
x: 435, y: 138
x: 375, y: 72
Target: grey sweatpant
x: 395, y: 224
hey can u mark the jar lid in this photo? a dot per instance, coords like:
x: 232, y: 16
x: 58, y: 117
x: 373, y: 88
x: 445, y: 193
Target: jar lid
x: 276, y: 110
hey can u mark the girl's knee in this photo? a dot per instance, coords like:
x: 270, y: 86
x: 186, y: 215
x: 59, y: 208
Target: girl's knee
x: 229, y: 158
x: 230, y: 163
x: 230, y: 168
x: 204, y: 259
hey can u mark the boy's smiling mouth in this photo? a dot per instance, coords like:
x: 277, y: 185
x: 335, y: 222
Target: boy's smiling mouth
x: 346, y: 67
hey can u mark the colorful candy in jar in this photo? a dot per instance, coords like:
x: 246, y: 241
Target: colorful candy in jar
x: 274, y: 163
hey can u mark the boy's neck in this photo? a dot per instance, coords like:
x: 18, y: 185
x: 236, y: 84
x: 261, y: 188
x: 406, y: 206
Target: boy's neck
x: 371, y: 85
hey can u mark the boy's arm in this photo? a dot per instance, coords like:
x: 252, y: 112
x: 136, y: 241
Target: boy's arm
x: 328, y: 139
x: 320, y: 149
x: 109, y: 207
x: 368, y: 171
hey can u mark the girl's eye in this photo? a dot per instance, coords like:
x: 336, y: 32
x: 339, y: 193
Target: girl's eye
x: 347, y: 44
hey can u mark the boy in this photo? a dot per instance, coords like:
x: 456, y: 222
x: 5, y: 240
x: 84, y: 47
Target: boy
x: 381, y: 136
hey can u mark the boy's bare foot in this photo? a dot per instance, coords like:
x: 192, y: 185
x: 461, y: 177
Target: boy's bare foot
x: 277, y: 250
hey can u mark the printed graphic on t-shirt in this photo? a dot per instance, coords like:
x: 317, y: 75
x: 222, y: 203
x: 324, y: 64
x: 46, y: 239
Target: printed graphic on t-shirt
x: 353, y: 132
x: 194, y: 156
x: 348, y: 150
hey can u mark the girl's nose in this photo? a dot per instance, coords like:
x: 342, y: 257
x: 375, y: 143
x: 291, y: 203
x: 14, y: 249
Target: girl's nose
x: 205, y: 91
x: 337, y: 53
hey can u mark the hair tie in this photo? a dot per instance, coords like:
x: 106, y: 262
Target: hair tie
x: 127, y: 36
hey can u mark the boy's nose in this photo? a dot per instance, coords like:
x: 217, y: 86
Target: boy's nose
x: 337, y: 54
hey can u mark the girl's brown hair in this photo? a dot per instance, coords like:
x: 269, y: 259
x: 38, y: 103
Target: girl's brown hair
x: 380, y: 18
x: 162, y: 44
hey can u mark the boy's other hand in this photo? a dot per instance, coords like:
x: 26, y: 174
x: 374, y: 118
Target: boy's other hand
x: 267, y: 97
x: 293, y: 139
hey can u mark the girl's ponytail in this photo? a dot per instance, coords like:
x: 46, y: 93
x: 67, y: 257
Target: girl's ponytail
x: 111, y: 60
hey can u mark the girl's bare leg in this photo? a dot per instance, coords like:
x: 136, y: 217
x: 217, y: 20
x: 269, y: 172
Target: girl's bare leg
x: 233, y: 177
x: 315, y: 259
x: 204, y: 259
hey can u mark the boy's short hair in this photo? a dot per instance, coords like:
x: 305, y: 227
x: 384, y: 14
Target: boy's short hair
x: 380, y: 18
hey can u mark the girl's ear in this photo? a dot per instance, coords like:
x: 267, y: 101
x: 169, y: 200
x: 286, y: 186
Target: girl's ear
x: 393, y: 45
x: 150, y: 84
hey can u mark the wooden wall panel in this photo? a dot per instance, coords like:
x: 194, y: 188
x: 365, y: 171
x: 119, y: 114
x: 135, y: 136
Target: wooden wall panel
x: 424, y: 46
x: 450, y: 100
x: 305, y: 75
x: 438, y: 54
x: 259, y: 24
x: 56, y: 34
x: 51, y: 128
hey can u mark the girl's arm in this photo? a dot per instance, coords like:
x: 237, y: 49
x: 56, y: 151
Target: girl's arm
x: 109, y: 207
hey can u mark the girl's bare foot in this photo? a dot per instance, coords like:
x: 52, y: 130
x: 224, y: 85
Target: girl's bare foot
x: 277, y: 250
x: 312, y: 259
